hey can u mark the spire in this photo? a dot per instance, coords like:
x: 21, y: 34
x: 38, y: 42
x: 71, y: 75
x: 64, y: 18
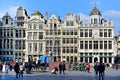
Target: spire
x: 95, y: 3
x: 95, y: 11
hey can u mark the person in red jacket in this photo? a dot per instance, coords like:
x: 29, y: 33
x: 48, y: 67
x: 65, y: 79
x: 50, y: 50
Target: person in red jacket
x: 88, y: 67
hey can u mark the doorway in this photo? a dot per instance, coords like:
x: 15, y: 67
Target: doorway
x: 95, y: 59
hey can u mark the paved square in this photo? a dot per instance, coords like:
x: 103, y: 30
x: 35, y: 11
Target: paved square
x: 110, y: 74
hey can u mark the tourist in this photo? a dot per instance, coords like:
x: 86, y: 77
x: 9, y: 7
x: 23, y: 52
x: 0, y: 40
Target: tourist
x: 96, y: 68
x: 21, y: 70
x: 60, y: 67
x: 101, y: 69
x: 16, y: 69
x: 88, y: 67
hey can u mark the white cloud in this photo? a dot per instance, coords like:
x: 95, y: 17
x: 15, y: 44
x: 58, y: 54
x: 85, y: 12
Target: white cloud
x: 112, y: 14
x: 11, y: 10
x: 83, y: 17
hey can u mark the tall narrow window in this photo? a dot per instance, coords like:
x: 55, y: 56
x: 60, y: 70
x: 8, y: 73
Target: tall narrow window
x: 86, y: 44
x: 81, y: 32
x: 86, y: 32
x: 101, y: 44
x: 109, y: 33
x: 90, y: 32
x: 110, y: 44
x: 90, y: 44
x: 105, y: 44
x: 101, y: 33
x: 105, y: 32
x: 6, y: 21
x: 81, y: 44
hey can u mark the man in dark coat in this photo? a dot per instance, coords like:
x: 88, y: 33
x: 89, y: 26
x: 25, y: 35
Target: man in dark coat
x: 60, y: 67
x: 64, y: 68
x: 96, y: 68
x: 16, y: 69
x: 101, y: 69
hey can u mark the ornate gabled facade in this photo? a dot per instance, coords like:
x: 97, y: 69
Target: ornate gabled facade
x: 67, y: 39
x: 96, y: 39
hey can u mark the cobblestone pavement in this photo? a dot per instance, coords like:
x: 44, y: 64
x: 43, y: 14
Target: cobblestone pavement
x: 110, y: 74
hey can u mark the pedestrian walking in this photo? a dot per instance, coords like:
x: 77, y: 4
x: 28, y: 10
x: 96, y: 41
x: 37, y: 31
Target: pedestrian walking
x: 101, y: 69
x: 88, y: 67
x: 16, y: 69
x: 64, y: 67
x: 21, y: 70
x: 60, y: 67
x: 4, y: 68
x: 96, y: 68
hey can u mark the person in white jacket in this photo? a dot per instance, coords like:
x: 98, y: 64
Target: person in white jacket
x: 21, y: 70
x: 4, y: 69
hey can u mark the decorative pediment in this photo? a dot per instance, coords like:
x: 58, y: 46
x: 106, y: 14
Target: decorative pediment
x: 36, y: 20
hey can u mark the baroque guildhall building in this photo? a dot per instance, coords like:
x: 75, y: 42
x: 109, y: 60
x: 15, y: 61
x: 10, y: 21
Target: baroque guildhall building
x: 26, y: 38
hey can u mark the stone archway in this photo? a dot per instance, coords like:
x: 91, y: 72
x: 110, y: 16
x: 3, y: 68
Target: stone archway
x: 95, y: 59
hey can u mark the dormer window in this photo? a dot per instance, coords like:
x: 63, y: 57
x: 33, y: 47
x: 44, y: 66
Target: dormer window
x: 95, y: 20
x: 6, y: 21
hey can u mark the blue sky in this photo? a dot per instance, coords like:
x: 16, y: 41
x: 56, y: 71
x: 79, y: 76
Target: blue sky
x: 110, y: 9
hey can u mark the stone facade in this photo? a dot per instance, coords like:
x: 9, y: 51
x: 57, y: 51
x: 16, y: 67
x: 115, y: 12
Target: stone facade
x: 28, y: 37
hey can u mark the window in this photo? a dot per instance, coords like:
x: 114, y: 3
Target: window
x: 105, y: 32
x: 67, y: 32
x: 86, y: 44
x: 101, y: 44
x: 81, y: 32
x: 95, y: 20
x: 105, y: 44
x: 35, y: 47
x: 20, y: 33
x: 63, y: 40
x: 24, y: 44
x: 71, y: 32
x: 67, y: 23
x: 81, y: 44
x: 75, y: 32
x: 6, y: 21
x: 29, y: 35
x: 71, y: 40
x: 90, y: 44
x: 29, y: 26
x: 75, y: 40
x: 109, y: 33
x: 63, y: 32
x: 101, y: 33
x: 67, y: 40
x: 29, y: 47
x: 35, y: 35
x: 110, y: 44
x: 90, y: 32
x: 47, y: 32
x: 40, y: 47
x: 95, y: 44
x: 86, y: 32
x: 75, y: 50
x: 59, y: 32
x: 40, y: 26
x: 17, y: 33
x: 40, y: 35
x: 63, y: 49
x: 24, y: 33
x: 35, y: 26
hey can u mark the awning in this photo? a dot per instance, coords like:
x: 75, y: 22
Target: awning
x: 86, y: 56
x: 105, y: 56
